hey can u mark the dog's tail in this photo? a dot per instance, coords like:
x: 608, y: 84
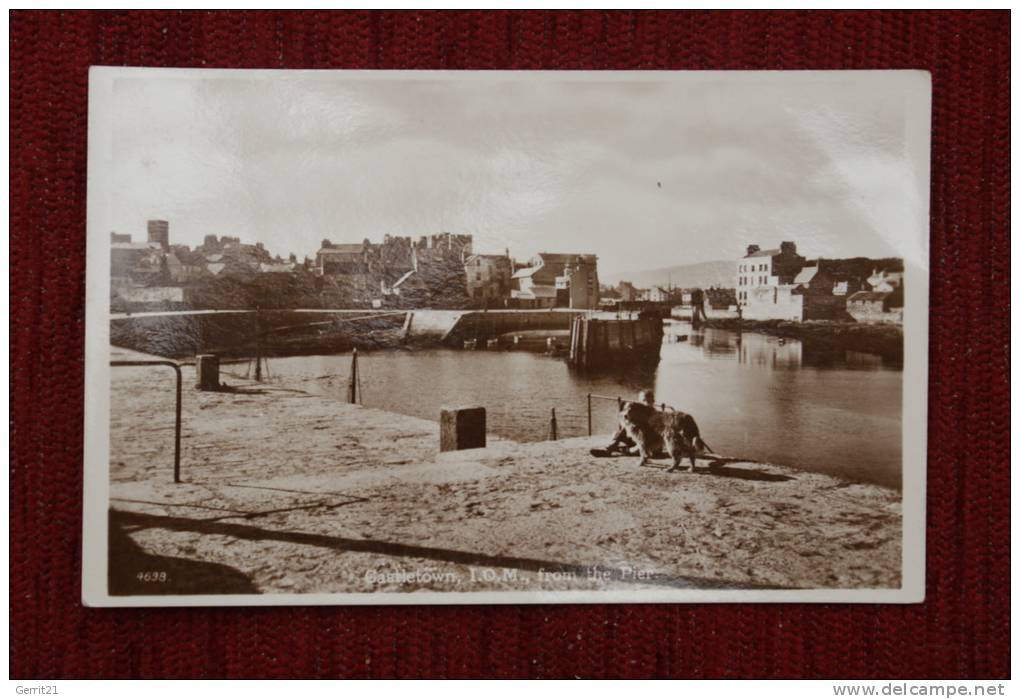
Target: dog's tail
x: 701, y: 445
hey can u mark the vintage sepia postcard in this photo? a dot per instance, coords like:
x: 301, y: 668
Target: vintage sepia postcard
x: 367, y: 337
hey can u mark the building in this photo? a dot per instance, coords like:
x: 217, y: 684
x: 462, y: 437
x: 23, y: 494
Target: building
x: 766, y: 269
x: 628, y: 293
x: 720, y: 299
x: 159, y: 233
x: 782, y: 285
x: 342, y: 259
x: 131, y: 262
x: 767, y: 285
x: 876, y: 306
x: 656, y: 295
x: 427, y: 270
x: 885, y: 280
x: 557, y: 280
x: 488, y: 278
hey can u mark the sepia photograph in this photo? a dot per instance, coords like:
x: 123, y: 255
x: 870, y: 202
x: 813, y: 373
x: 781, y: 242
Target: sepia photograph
x: 367, y: 337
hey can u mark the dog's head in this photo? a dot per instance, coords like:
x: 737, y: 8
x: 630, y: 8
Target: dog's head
x: 635, y: 413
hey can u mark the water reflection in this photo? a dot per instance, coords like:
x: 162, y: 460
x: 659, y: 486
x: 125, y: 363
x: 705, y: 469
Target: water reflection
x: 772, y: 352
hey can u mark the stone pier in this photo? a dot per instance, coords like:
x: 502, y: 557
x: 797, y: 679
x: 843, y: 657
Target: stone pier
x: 290, y: 492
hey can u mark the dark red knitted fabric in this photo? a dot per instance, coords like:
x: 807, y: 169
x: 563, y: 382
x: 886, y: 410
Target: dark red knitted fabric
x: 963, y: 628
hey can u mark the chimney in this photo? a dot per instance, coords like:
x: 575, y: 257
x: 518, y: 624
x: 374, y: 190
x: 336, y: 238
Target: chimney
x: 786, y: 247
x: 751, y: 249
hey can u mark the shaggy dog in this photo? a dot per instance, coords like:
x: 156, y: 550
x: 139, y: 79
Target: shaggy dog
x: 655, y: 431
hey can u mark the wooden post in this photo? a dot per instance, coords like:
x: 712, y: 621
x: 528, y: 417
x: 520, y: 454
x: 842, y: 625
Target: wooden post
x: 591, y: 342
x: 461, y: 428
x: 207, y: 367
x: 352, y: 383
x: 552, y: 425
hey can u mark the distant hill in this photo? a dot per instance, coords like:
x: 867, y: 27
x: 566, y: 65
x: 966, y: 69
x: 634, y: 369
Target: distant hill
x: 702, y: 275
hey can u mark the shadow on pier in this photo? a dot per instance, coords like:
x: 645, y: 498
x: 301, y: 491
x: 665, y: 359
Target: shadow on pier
x: 387, y: 548
x: 129, y: 567
x: 719, y: 469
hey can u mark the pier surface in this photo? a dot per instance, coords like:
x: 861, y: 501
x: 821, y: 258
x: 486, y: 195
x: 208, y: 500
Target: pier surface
x: 290, y: 492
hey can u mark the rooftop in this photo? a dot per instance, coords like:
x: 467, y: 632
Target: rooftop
x: 344, y: 249
x: 806, y: 275
x: 765, y: 253
x: 525, y: 272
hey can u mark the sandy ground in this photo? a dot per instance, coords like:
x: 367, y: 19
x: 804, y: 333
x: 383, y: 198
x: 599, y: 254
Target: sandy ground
x: 290, y: 492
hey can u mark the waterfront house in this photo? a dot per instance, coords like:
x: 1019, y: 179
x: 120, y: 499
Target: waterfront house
x: 761, y: 272
x: 765, y: 283
x: 488, y: 278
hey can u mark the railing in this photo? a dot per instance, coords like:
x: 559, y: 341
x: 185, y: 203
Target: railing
x: 177, y: 415
x: 619, y: 406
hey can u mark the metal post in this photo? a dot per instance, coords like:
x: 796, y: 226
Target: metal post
x: 352, y: 384
x: 177, y: 429
x: 258, y: 345
x: 552, y: 425
x: 177, y: 411
x: 589, y: 415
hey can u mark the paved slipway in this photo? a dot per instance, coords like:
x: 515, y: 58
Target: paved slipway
x: 287, y: 492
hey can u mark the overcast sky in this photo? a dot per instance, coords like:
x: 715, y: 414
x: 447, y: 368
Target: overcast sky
x: 645, y: 174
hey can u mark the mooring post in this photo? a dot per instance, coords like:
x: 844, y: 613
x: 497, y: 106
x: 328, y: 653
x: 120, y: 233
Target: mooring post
x: 552, y: 425
x: 461, y: 428
x: 207, y: 366
x: 352, y: 384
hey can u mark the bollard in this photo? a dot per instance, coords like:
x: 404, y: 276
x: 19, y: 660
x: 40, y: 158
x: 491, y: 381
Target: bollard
x: 552, y: 425
x: 461, y: 428
x: 207, y: 367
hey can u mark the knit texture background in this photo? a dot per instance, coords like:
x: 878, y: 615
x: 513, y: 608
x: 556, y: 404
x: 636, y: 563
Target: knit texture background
x: 961, y: 630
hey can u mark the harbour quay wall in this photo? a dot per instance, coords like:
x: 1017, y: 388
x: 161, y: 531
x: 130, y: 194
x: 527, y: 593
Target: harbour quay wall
x: 454, y: 327
x: 236, y: 333
x: 233, y: 333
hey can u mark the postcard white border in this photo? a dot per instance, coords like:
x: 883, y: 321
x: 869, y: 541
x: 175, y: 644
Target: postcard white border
x: 916, y: 90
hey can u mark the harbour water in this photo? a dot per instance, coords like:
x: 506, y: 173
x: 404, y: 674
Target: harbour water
x: 754, y: 396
